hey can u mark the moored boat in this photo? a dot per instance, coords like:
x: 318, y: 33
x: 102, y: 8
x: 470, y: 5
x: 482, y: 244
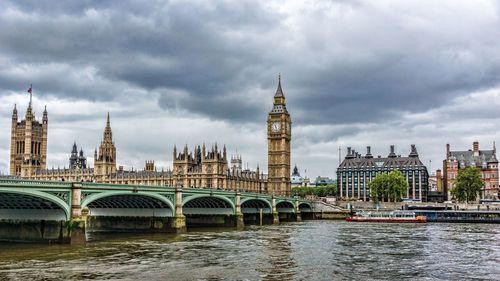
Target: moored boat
x: 394, y: 216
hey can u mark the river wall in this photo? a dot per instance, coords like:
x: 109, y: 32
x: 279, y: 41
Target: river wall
x: 403, y: 205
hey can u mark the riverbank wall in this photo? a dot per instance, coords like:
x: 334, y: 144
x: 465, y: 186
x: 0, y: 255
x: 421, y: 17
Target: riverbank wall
x: 404, y: 205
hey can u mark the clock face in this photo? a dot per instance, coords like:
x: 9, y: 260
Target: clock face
x: 275, y: 127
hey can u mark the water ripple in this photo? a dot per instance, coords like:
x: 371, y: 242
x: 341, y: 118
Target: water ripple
x: 312, y: 250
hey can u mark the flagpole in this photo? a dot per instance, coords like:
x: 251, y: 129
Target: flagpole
x: 31, y: 93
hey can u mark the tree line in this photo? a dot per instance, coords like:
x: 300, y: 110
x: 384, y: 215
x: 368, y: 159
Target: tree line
x: 393, y: 186
x: 320, y: 191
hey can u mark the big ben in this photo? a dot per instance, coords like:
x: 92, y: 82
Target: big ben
x: 279, y: 135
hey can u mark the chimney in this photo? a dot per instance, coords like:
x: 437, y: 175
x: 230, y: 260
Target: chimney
x: 447, y: 150
x: 368, y: 152
x: 392, y: 154
x: 349, y: 151
x: 476, y: 148
x: 413, y: 152
x: 439, y: 180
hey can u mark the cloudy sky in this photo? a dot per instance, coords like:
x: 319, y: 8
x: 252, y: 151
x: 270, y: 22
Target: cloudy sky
x: 355, y: 73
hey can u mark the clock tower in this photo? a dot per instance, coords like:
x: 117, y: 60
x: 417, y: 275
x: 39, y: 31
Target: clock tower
x: 279, y: 135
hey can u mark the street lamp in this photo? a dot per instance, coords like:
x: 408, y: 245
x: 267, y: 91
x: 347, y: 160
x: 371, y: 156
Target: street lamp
x: 78, y: 166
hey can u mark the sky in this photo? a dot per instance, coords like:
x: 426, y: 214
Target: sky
x: 354, y: 73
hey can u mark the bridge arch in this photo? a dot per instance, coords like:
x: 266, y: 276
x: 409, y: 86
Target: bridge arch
x: 284, y: 206
x: 52, y: 199
x: 305, y: 207
x: 124, y: 200
x: 201, y: 204
x: 253, y: 205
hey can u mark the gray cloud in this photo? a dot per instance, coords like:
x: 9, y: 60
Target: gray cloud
x: 344, y: 64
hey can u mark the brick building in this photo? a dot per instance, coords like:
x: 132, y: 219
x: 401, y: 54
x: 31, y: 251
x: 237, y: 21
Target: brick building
x: 485, y: 160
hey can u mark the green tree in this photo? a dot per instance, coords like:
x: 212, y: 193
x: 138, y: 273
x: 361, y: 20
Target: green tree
x: 467, y: 185
x: 321, y: 191
x: 388, y: 186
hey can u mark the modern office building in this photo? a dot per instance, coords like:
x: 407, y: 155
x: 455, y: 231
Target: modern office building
x: 356, y: 171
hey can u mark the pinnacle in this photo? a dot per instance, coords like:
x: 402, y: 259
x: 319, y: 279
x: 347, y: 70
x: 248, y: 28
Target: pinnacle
x: 279, y: 92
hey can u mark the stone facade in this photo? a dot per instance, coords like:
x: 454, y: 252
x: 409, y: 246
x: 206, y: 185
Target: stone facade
x: 279, y: 136
x: 485, y: 160
x: 201, y: 168
x: 28, y: 148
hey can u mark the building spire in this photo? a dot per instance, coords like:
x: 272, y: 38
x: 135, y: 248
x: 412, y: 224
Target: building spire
x: 279, y: 92
x: 14, y: 113
x: 107, y: 131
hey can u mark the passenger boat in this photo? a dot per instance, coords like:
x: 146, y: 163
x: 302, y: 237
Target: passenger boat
x: 394, y: 216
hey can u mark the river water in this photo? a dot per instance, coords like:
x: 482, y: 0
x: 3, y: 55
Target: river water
x: 311, y: 250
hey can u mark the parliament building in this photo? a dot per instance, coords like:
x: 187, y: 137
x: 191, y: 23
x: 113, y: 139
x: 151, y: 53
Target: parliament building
x: 201, y: 168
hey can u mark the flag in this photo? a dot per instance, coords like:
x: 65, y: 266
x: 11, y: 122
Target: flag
x: 29, y: 90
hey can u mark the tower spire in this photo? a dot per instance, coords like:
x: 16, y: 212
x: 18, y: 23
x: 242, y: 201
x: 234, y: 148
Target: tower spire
x: 279, y: 92
x: 107, y: 131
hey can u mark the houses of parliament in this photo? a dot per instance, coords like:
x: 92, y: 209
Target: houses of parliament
x: 204, y: 167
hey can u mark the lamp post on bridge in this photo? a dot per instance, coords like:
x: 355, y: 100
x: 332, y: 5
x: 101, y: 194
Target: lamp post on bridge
x: 78, y: 166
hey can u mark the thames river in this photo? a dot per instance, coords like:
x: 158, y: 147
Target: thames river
x: 311, y: 250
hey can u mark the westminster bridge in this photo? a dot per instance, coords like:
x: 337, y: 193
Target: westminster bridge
x: 57, y: 211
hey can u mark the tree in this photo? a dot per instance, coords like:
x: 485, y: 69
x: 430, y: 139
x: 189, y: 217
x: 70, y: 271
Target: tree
x: 388, y: 186
x: 321, y: 191
x: 467, y: 185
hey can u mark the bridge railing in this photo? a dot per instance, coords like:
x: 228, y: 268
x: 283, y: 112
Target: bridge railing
x: 33, y: 183
x: 24, y: 183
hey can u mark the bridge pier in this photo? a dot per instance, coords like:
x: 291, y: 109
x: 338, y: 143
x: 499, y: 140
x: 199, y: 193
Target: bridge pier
x: 76, y: 199
x: 179, y: 221
x: 46, y: 231
x: 298, y: 215
x: 240, y: 222
x: 276, y: 216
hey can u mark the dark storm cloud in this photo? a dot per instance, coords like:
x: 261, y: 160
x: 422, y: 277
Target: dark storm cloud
x: 342, y: 62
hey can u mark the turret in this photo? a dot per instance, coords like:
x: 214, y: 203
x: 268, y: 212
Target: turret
x: 45, y: 119
x: 175, y: 152
x: 14, y: 116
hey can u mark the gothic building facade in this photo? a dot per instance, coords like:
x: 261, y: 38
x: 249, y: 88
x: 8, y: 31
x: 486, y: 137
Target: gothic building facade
x: 28, y: 147
x: 77, y: 158
x: 200, y: 168
x: 279, y: 136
